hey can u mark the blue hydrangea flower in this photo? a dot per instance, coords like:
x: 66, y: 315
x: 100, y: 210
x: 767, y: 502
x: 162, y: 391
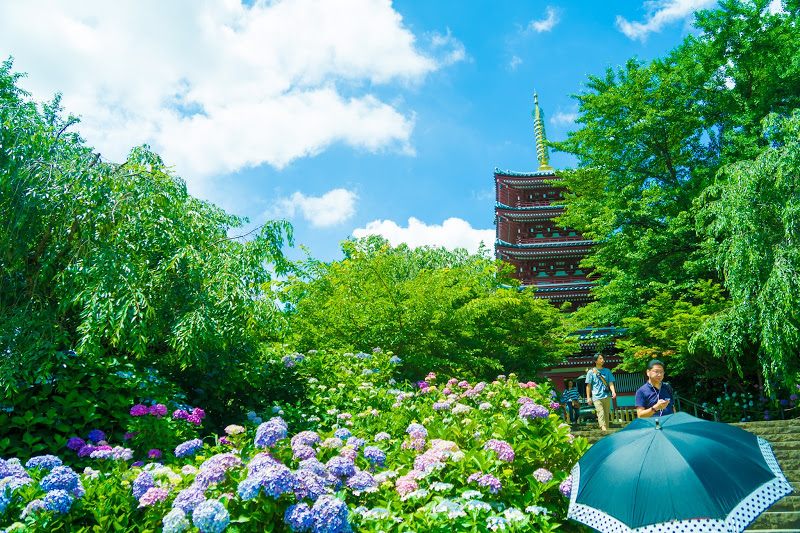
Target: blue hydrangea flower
x: 190, y: 447
x: 175, y: 521
x: 375, y: 455
x: 315, y: 465
x: 142, y: 482
x: 96, y: 436
x: 12, y: 483
x: 299, y: 517
x: 309, y: 485
x: 341, y: 466
x: 362, y: 481
x: 209, y: 476
x: 249, y: 488
x: 342, y: 433
x: 277, y: 480
x: 32, y: 507
x: 395, y: 360
x: 48, y: 462
x: 62, y: 478
x: 4, y: 501
x: 355, y: 442
x: 12, y: 467
x: 330, y: 516
x: 188, y: 499
x: 58, y: 500
x: 211, y: 517
x: 270, y: 432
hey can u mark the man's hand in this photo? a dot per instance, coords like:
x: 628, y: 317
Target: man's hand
x: 614, y: 394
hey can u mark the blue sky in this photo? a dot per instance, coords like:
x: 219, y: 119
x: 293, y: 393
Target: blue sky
x: 346, y: 117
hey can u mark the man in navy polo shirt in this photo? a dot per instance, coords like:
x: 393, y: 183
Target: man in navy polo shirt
x: 654, y: 397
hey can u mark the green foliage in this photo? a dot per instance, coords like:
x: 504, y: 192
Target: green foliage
x: 118, y: 260
x: 72, y: 395
x: 652, y: 139
x: 438, y: 309
x: 750, y: 216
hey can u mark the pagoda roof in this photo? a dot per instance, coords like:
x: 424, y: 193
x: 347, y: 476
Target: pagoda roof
x: 538, y: 173
x: 550, y: 244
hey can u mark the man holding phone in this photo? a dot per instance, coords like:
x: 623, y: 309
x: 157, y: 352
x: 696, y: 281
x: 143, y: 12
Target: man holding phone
x: 654, y: 397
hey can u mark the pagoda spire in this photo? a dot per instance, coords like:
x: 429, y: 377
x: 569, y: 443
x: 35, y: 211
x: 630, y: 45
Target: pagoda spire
x: 541, y: 141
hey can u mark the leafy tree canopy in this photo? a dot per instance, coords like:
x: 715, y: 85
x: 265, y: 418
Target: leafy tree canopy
x: 651, y: 141
x: 437, y: 309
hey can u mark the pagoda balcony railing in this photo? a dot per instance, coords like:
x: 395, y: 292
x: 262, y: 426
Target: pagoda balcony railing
x: 537, y: 203
x: 538, y: 240
x: 554, y: 281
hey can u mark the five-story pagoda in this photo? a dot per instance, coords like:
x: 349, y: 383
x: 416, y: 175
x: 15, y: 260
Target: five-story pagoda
x: 544, y: 254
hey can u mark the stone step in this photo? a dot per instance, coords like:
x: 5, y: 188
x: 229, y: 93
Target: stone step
x: 777, y: 520
x: 787, y: 503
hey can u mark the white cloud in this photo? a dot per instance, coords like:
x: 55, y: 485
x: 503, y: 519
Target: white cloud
x: 659, y: 14
x: 515, y: 62
x: 551, y: 18
x: 449, y: 48
x: 450, y: 234
x: 215, y: 85
x: 564, y: 118
x: 330, y: 209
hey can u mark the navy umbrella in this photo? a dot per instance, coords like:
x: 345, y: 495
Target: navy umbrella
x: 676, y: 473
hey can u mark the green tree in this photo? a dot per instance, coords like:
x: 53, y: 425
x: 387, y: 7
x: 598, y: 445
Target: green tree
x: 118, y: 260
x: 652, y: 137
x: 751, y: 216
x: 439, y: 310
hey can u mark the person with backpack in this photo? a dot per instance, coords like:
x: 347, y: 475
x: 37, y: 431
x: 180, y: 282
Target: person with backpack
x: 600, y: 388
x: 570, y: 399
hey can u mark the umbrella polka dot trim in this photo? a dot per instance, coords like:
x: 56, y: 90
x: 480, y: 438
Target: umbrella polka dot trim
x: 738, y: 519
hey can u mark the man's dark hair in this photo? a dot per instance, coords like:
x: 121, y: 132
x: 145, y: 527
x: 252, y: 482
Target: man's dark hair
x: 598, y: 354
x: 568, y: 381
x: 654, y: 362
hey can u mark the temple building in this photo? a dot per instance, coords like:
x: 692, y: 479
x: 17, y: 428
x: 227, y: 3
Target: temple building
x: 544, y: 254
x: 546, y: 258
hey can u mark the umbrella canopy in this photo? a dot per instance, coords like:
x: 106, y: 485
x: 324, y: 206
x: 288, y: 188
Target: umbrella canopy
x: 676, y: 473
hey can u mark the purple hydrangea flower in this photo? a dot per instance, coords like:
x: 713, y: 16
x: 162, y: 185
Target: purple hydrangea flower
x: 302, y: 452
x: 566, y: 486
x: 211, y: 517
x: 330, y: 515
x: 315, y: 465
x: 299, y: 518
x: 209, y: 476
x: 188, y: 499
x: 341, y: 467
x: 138, y: 410
x: 416, y: 431
x: 153, y: 496
x: 542, y: 475
x: 382, y: 436
x: 375, y: 455
x: 96, y: 436
x: 225, y: 461
x: 259, y: 462
x: 503, y: 449
x: 75, y: 443
x: 58, y: 500
x: 10, y: 468
x: 154, y: 453
x: 190, y: 447
x: 47, y: 462
x: 531, y: 410
x: 355, y: 442
x: 179, y: 414
x: 362, y: 481
x: 310, y: 485
x: 277, y: 480
x: 270, y: 432
x: 143, y: 482
x: 158, y: 410
x: 307, y: 438
x: 86, y: 451
x: 32, y: 507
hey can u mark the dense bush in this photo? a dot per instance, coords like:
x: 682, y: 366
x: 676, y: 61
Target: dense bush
x: 440, y: 455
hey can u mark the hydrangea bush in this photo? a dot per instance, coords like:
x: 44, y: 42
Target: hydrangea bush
x: 367, y: 455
